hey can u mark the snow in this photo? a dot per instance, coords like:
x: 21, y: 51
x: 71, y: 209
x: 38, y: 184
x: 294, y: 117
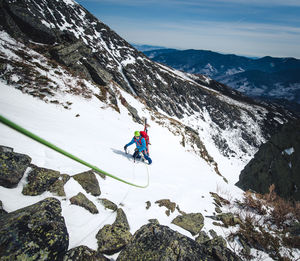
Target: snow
x: 289, y: 151
x: 209, y: 70
x: 182, y: 75
x: 98, y: 137
x: 233, y: 71
x: 129, y: 60
x: 69, y: 2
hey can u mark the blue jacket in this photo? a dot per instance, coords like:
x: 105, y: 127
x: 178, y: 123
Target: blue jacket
x: 140, y: 143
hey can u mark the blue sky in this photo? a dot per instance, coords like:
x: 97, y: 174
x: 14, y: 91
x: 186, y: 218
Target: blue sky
x: 244, y: 27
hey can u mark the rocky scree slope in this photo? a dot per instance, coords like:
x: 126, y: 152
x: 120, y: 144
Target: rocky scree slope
x: 69, y: 35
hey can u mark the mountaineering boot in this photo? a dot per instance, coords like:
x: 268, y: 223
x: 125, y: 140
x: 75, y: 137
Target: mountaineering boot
x: 136, y: 154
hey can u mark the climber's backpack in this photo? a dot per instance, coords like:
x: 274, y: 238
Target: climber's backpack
x: 146, y: 137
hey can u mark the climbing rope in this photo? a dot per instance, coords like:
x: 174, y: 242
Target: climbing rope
x: 67, y: 154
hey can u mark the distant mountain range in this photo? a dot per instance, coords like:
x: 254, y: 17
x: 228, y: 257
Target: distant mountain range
x: 146, y: 47
x: 267, y: 78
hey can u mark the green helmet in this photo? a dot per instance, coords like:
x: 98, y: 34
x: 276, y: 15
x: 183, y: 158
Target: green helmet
x: 137, y: 133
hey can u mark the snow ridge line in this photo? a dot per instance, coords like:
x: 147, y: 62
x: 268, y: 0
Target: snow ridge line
x: 65, y: 153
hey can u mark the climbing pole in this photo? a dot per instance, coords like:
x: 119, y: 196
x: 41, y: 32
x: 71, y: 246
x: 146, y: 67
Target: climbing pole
x: 65, y: 153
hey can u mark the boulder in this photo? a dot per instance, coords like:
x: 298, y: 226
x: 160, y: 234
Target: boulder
x: 6, y: 149
x: 40, y: 180
x: 36, y: 232
x: 157, y: 242
x: 166, y: 203
x: 81, y: 200
x: 83, y: 253
x: 229, y: 219
x: 2, y: 211
x: 58, y: 186
x: 216, y: 247
x: 108, y: 204
x: 89, y: 182
x: 12, y: 167
x: 192, y: 222
x: 121, y: 219
x: 112, y: 238
x: 202, y: 237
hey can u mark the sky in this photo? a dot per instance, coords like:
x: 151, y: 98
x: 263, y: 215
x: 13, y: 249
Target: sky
x: 252, y: 28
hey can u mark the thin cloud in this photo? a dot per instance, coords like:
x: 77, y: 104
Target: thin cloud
x: 255, y: 39
x: 295, y: 3
x: 259, y: 28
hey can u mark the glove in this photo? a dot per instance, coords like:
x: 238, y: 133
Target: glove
x: 125, y: 147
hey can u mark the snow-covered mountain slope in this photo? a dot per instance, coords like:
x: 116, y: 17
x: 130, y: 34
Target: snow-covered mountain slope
x: 74, y: 114
x: 90, y: 99
x: 98, y: 136
x: 69, y: 35
x: 96, y: 133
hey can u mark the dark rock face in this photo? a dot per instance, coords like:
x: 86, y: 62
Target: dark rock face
x: 192, y: 222
x: 36, y: 232
x: 12, y: 167
x: 112, y: 238
x: 276, y: 162
x: 89, y: 182
x: 108, y: 204
x: 157, y: 242
x: 2, y: 211
x: 82, y: 201
x: 83, y: 253
x: 40, y: 180
x: 58, y: 186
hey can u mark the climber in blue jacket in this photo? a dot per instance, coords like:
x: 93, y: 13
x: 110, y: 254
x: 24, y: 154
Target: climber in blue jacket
x: 140, y: 143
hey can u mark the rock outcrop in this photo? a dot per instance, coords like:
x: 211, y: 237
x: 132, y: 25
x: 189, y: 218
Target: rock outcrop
x: 108, y: 204
x: 40, y: 180
x: 81, y: 200
x: 36, y: 232
x: 113, y: 238
x: 82, y: 253
x: 157, y: 242
x: 12, y: 167
x: 89, y: 182
x: 192, y: 222
x: 2, y: 211
x: 276, y: 162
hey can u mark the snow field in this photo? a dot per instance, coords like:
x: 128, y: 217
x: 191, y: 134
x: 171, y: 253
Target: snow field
x: 98, y: 137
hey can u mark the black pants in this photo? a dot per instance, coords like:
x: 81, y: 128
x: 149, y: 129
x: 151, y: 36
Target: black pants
x: 137, y: 156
